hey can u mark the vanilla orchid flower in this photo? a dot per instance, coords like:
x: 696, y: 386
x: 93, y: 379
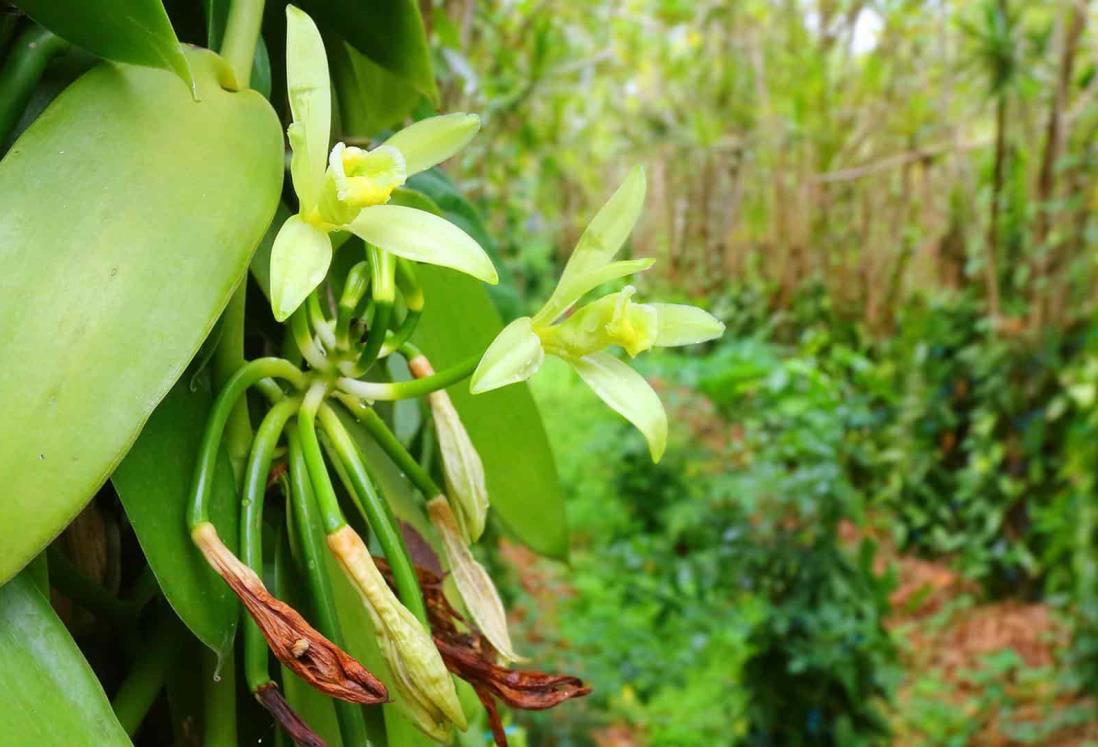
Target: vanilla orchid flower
x: 614, y: 320
x: 348, y: 188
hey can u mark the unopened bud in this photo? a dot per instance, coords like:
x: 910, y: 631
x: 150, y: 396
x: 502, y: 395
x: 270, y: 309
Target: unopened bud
x: 461, y: 464
x: 473, y: 582
x: 419, y: 674
x: 295, y: 643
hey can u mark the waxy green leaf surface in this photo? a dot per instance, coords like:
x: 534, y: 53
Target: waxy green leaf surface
x: 458, y: 321
x: 389, y: 32
x: 134, y: 31
x: 154, y: 482
x: 134, y: 214
x: 48, y: 693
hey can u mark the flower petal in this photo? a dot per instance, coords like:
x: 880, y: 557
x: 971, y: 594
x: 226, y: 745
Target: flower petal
x: 561, y: 299
x: 603, y: 238
x: 515, y: 355
x: 679, y: 324
x: 309, y: 91
x: 422, y: 237
x: 626, y: 392
x: 433, y: 140
x: 299, y: 261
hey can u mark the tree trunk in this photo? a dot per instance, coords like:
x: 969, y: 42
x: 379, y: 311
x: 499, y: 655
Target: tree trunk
x: 991, y: 265
x: 1071, y: 23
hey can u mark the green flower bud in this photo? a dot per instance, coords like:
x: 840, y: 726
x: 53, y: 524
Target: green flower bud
x: 461, y: 464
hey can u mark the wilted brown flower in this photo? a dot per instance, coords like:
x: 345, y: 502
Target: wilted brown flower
x: 270, y: 697
x: 307, y: 653
x: 474, y: 585
x: 471, y: 657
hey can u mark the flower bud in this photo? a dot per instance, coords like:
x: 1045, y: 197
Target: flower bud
x: 473, y: 582
x: 307, y: 653
x: 419, y: 674
x: 461, y: 465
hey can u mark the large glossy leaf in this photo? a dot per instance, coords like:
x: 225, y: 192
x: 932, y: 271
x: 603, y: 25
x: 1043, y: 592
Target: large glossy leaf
x: 133, y: 31
x: 456, y: 209
x: 371, y: 98
x: 389, y: 32
x: 131, y: 216
x: 459, y: 321
x: 48, y: 693
x: 153, y: 482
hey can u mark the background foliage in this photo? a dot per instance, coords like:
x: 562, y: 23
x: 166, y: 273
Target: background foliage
x: 891, y: 451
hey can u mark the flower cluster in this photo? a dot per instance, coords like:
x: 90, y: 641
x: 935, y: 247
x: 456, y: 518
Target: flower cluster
x: 371, y: 312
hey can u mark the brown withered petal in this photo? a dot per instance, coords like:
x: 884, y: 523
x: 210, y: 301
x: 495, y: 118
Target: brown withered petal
x: 295, y: 643
x: 495, y: 723
x: 529, y: 690
x: 270, y: 697
x: 471, y: 657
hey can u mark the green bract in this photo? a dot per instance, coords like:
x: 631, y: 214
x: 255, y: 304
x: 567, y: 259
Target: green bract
x: 348, y: 189
x: 611, y: 321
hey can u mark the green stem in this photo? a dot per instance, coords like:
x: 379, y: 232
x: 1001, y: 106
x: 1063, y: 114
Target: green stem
x: 352, y: 725
x: 392, y: 446
x: 144, y: 682
x: 241, y: 36
x: 21, y: 72
x: 412, y: 293
x: 400, y: 338
x: 251, y: 529
x: 355, y: 287
x: 383, y: 291
x: 303, y: 338
x: 326, y: 499
x: 91, y: 596
x: 249, y: 374
x: 219, y: 699
x: 319, y: 321
x: 228, y: 357
x: 376, y: 391
x: 377, y: 512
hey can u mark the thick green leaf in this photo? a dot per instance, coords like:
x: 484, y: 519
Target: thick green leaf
x: 456, y: 209
x: 371, y: 98
x: 48, y: 693
x: 459, y: 321
x: 389, y: 32
x: 153, y: 482
x: 134, y: 31
x: 132, y: 213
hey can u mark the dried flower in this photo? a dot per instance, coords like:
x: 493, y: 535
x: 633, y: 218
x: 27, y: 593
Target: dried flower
x: 270, y: 697
x: 470, y: 656
x: 473, y: 582
x: 419, y: 673
x: 307, y: 653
